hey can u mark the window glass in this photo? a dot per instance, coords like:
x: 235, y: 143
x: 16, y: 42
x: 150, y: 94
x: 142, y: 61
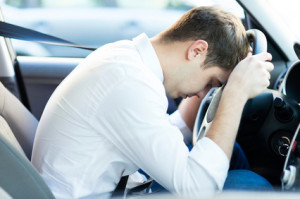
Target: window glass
x: 289, y: 13
x: 157, y: 4
x: 96, y: 22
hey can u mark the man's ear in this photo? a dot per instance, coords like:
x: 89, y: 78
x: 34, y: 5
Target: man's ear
x: 197, y: 48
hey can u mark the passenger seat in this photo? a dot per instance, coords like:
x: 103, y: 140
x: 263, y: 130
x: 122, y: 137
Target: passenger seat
x: 17, y: 129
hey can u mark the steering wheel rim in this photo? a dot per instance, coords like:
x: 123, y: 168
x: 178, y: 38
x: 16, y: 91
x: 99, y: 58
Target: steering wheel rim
x: 211, y: 101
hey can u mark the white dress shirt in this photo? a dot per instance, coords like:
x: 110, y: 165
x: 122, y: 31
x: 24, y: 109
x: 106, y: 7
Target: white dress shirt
x: 108, y: 118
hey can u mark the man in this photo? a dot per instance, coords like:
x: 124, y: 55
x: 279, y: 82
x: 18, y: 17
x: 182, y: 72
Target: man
x: 108, y: 118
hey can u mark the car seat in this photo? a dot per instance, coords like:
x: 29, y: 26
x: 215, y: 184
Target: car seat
x: 22, y: 123
x: 17, y: 129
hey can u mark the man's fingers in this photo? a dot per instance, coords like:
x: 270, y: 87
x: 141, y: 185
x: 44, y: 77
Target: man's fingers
x: 269, y: 66
x: 268, y: 75
x: 267, y: 84
x: 264, y: 56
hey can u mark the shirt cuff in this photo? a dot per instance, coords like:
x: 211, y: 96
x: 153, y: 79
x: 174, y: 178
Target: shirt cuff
x: 213, y: 159
x: 177, y: 120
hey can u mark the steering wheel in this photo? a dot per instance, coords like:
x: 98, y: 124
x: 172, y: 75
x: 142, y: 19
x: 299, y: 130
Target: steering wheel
x: 267, y: 125
x: 209, y: 104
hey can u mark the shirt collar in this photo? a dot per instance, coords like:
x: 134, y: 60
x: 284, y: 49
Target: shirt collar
x: 148, y: 55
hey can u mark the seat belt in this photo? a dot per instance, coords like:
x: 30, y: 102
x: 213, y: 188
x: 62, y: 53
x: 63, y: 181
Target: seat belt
x: 120, y: 189
x: 17, y: 32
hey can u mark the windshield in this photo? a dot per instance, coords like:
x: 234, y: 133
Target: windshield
x: 288, y: 10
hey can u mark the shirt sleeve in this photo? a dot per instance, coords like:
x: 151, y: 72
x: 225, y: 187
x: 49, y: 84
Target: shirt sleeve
x: 177, y: 120
x: 139, y: 128
x: 216, y: 160
x: 204, y: 145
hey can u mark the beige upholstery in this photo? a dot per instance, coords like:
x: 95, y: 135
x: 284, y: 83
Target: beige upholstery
x: 7, y: 134
x: 22, y: 123
x: 18, y: 178
x: 4, y: 194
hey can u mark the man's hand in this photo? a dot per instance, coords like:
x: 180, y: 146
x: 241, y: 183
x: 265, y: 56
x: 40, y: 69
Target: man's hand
x: 251, y: 76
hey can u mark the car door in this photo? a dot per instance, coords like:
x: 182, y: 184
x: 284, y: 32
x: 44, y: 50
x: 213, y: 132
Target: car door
x: 40, y: 77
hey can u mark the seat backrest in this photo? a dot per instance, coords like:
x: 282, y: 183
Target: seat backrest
x: 4, y: 194
x: 18, y: 177
x: 22, y: 123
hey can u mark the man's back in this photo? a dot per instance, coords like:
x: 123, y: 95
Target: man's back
x: 75, y: 149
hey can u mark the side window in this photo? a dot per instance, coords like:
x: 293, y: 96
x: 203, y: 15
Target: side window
x: 96, y: 22
x: 55, y: 3
x: 100, y: 3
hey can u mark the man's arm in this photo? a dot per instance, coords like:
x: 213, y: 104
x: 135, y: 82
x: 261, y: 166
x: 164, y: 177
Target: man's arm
x: 249, y: 79
x: 188, y: 109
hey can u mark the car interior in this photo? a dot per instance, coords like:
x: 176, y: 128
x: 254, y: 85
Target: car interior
x: 18, y: 127
x: 268, y: 132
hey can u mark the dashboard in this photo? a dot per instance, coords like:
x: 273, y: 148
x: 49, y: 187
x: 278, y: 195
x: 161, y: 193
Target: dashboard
x: 288, y: 83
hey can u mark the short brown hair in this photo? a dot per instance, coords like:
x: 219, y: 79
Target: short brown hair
x: 223, y: 31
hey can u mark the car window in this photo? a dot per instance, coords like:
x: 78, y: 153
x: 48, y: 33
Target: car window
x: 100, y: 3
x: 288, y: 11
x: 96, y: 22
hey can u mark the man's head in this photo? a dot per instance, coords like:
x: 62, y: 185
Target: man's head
x: 223, y: 31
x: 200, y: 50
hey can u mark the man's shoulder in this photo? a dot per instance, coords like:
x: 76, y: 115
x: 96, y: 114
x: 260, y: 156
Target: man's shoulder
x: 119, y: 61
x: 120, y: 54
x: 119, y: 47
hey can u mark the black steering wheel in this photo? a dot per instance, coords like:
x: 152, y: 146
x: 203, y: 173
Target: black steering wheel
x: 210, y: 103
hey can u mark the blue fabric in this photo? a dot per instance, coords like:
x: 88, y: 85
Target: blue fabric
x: 239, y: 176
x: 237, y: 180
x: 246, y: 180
x: 238, y: 158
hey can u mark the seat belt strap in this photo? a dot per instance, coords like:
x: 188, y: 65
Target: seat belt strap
x: 141, y: 189
x: 120, y: 189
x: 17, y: 32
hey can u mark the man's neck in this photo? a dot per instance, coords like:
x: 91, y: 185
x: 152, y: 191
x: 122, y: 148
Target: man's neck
x: 170, y: 54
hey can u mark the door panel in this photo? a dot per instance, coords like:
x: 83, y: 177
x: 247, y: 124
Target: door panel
x: 41, y: 76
